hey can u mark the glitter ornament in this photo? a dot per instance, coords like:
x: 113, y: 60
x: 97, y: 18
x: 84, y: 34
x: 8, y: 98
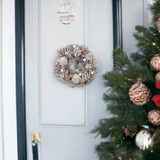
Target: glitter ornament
x: 158, y: 84
x: 156, y: 100
x: 85, y: 68
x: 154, y: 117
x: 158, y: 22
x: 139, y: 93
x: 155, y: 62
x: 158, y: 25
x: 157, y: 76
x: 143, y: 139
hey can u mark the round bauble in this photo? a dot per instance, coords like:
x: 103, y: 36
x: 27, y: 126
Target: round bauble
x: 157, y: 76
x: 155, y: 62
x: 139, y: 93
x: 158, y: 22
x: 143, y: 139
x: 156, y: 99
x: 154, y: 117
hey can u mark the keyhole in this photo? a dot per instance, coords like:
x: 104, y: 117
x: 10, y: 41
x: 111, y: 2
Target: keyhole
x: 74, y: 65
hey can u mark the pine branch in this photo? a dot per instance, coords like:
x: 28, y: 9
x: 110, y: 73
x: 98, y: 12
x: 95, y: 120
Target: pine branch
x: 116, y: 145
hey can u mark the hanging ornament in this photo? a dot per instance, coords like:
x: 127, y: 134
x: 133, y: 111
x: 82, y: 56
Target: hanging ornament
x: 143, y: 139
x: 158, y: 22
x: 66, y: 11
x: 155, y: 62
x: 157, y: 76
x: 156, y: 100
x: 139, y: 93
x: 130, y: 131
x: 158, y: 84
x: 154, y: 117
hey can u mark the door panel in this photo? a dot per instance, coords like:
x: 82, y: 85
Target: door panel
x: 64, y: 116
x: 55, y: 96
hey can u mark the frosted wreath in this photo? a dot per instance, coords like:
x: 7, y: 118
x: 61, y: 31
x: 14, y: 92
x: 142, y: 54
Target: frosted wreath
x: 86, y: 65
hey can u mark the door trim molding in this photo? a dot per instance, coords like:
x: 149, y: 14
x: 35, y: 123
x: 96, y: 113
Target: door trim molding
x: 1, y: 98
x: 20, y: 78
x: 117, y: 24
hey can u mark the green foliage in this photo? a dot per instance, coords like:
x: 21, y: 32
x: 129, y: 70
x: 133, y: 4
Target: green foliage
x: 155, y: 8
x: 126, y: 70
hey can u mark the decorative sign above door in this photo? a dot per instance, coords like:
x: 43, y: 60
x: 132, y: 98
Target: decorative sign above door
x: 66, y: 11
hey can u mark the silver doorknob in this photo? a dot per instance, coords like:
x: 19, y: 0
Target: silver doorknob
x: 35, y: 138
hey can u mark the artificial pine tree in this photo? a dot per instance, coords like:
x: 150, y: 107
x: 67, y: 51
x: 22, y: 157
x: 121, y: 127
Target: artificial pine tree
x: 131, y: 95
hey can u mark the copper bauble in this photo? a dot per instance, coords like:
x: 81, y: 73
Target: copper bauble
x: 155, y: 62
x: 157, y: 76
x: 139, y: 93
x: 154, y: 117
x: 158, y: 22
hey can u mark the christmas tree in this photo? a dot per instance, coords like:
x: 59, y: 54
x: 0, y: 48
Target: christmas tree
x: 133, y: 131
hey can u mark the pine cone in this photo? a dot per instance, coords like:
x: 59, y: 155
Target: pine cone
x: 129, y: 131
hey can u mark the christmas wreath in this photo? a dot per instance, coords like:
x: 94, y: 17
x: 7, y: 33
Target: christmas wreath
x: 86, y: 65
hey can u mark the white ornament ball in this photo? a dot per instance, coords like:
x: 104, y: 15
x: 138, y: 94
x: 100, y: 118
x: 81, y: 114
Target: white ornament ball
x: 143, y: 139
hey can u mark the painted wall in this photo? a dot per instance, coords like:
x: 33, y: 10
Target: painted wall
x: 1, y: 115
x: 135, y: 12
x: 8, y: 133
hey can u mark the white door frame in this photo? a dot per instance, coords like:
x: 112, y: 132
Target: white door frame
x: 8, y: 127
